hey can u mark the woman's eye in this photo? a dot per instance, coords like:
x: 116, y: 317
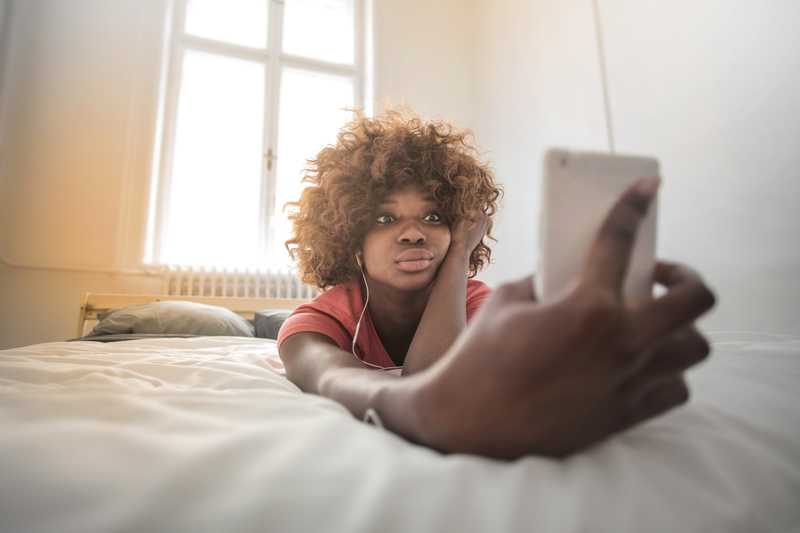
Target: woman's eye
x: 433, y: 217
x: 384, y: 219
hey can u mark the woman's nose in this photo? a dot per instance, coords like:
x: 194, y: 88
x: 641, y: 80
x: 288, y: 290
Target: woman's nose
x: 411, y: 234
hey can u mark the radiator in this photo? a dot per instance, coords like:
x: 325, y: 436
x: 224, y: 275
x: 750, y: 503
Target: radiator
x: 190, y: 281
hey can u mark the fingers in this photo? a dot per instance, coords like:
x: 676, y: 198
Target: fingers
x: 687, y: 298
x: 472, y: 222
x: 657, y: 400
x: 680, y: 351
x: 470, y: 231
x: 479, y: 219
x: 610, y: 254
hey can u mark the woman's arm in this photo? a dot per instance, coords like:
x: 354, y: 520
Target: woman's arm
x: 317, y: 365
x: 445, y: 315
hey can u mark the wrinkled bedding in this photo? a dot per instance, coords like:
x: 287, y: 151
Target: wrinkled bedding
x: 206, y: 434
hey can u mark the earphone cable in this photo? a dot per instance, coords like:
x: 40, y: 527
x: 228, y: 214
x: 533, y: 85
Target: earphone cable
x: 358, y: 328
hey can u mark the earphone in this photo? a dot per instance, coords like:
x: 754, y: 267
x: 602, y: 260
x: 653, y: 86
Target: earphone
x: 358, y: 324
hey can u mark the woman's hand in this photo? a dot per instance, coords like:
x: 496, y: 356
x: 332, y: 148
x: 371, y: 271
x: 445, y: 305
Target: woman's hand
x: 467, y: 233
x: 551, y: 379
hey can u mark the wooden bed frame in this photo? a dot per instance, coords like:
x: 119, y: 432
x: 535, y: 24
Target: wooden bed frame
x: 92, y: 304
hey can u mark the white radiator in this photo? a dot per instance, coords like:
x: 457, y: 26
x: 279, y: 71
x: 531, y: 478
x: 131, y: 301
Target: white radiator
x: 190, y: 281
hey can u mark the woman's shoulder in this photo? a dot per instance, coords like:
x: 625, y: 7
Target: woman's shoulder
x: 476, y: 286
x: 338, y: 302
x: 329, y: 313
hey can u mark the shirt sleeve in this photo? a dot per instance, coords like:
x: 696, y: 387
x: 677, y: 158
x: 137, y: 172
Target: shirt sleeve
x: 312, y: 321
x: 477, y: 293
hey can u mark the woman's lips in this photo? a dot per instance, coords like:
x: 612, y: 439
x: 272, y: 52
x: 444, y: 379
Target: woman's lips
x: 414, y: 260
x: 414, y: 266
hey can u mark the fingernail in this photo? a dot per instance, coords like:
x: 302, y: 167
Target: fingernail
x: 648, y: 186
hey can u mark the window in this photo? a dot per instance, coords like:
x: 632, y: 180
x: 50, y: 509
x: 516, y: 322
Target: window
x: 254, y: 89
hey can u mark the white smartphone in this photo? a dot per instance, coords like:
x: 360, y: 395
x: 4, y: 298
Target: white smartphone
x: 578, y: 191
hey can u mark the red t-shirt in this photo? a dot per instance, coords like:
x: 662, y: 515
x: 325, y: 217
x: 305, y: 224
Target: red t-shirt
x: 334, y: 313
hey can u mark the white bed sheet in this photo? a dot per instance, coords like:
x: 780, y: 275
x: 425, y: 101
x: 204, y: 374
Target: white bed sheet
x: 205, y: 434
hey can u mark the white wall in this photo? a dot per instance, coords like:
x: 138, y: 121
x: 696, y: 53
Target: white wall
x: 80, y: 95
x: 424, y: 57
x: 538, y: 85
x: 4, y: 41
x: 712, y: 88
x: 40, y: 305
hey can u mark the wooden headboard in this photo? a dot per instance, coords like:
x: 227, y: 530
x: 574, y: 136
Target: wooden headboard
x: 92, y: 304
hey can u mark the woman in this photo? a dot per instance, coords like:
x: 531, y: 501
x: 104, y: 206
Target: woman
x: 393, y: 225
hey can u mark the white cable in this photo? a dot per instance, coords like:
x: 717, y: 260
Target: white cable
x: 371, y: 417
x: 601, y: 57
x: 358, y: 328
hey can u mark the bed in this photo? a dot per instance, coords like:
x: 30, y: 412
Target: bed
x: 207, y: 434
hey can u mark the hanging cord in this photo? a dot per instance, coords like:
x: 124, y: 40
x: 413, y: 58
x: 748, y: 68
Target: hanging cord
x: 601, y: 56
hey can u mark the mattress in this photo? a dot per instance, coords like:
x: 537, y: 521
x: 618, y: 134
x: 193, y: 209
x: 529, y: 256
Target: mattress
x: 207, y: 434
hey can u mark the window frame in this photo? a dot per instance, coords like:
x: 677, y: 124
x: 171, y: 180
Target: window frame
x: 274, y: 60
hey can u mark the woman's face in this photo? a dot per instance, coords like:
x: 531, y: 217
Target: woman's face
x: 407, y: 242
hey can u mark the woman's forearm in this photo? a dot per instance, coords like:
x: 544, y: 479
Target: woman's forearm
x: 395, y: 399
x: 355, y: 388
x: 317, y: 366
x: 445, y: 315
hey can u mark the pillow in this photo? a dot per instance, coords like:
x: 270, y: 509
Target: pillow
x: 119, y: 337
x: 174, y: 317
x: 269, y: 321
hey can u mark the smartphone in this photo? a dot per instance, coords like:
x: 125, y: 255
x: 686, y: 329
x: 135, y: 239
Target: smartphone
x: 578, y: 190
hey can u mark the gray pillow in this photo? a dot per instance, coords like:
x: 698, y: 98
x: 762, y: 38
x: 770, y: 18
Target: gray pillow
x: 174, y: 317
x: 269, y: 321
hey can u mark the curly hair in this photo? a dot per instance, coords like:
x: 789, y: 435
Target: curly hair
x: 373, y: 157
